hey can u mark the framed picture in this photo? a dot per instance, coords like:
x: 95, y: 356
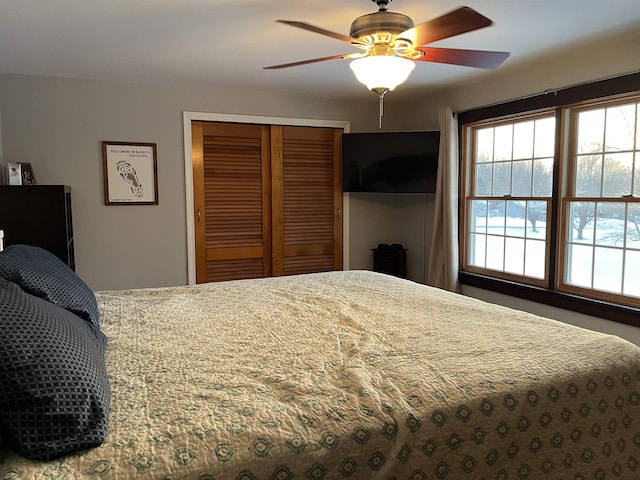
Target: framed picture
x: 130, y: 173
x: 20, y: 174
x: 14, y: 174
x: 28, y: 177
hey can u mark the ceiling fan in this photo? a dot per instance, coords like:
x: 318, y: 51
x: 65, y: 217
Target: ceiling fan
x: 391, y: 38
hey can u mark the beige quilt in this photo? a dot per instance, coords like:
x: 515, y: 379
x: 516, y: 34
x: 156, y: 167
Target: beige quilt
x: 353, y: 375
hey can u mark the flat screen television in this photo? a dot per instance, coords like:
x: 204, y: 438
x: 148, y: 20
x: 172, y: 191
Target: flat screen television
x: 390, y: 162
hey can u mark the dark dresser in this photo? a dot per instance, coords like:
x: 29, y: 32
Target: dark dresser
x: 38, y: 215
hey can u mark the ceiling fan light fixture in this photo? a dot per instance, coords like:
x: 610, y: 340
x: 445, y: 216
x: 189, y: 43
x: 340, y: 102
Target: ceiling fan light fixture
x: 382, y: 72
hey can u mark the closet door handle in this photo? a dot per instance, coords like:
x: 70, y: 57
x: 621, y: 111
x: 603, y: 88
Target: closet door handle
x: 198, y: 215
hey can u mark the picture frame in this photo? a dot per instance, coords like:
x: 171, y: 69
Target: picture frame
x: 130, y: 173
x: 26, y: 172
x: 20, y: 173
x: 14, y: 174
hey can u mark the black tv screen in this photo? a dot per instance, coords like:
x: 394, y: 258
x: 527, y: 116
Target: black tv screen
x: 390, y: 162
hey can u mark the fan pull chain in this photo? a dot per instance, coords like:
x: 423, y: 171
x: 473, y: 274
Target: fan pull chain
x: 381, y: 92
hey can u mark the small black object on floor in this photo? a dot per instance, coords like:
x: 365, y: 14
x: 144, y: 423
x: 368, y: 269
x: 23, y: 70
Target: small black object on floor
x: 390, y: 259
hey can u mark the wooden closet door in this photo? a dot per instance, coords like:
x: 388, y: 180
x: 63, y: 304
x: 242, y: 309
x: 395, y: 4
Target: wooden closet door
x: 268, y: 200
x: 232, y: 200
x: 306, y: 200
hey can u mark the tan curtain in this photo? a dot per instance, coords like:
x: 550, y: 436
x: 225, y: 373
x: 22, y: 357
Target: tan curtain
x: 443, y: 257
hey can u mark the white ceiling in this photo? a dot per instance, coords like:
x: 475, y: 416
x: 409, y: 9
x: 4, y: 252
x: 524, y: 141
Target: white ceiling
x: 226, y: 43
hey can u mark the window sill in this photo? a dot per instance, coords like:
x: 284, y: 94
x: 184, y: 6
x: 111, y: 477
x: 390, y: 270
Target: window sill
x: 595, y: 308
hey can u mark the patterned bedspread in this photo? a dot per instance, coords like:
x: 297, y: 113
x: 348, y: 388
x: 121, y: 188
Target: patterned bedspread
x: 353, y: 374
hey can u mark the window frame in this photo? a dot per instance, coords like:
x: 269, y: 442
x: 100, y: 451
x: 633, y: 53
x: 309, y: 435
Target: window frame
x: 559, y: 101
x: 568, y: 195
x: 468, y: 187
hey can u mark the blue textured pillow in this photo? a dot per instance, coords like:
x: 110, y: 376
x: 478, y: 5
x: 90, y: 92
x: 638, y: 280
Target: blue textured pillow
x: 54, y: 389
x: 41, y: 273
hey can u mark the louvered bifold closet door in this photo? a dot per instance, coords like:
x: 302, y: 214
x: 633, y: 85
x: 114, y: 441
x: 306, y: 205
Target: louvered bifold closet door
x: 307, y: 199
x: 232, y: 198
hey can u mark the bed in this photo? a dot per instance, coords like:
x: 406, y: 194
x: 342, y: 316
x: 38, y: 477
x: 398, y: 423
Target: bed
x: 351, y: 374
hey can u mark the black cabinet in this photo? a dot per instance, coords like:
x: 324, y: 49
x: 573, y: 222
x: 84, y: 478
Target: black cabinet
x: 38, y: 215
x: 391, y: 261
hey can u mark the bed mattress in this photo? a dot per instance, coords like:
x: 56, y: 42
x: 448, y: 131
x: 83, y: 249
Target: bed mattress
x: 352, y: 374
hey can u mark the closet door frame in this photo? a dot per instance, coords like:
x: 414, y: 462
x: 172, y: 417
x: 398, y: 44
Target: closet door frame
x: 188, y: 117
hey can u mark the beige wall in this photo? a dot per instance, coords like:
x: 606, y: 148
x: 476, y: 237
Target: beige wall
x: 58, y: 124
x: 387, y: 218
x: 602, y: 59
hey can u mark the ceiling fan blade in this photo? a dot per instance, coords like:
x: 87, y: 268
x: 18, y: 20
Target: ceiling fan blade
x: 314, y: 60
x: 322, y: 31
x: 468, y: 58
x: 459, y: 21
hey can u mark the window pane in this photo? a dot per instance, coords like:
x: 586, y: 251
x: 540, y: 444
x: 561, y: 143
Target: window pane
x: 620, y: 128
x: 607, y: 270
x: 503, y: 142
x: 501, y: 179
x: 617, y: 174
x: 542, y: 177
x: 537, y: 219
x: 495, y: 252
x: 581, y: 217
x: 610, y: 226
x: 523, y: 140
x: 588, y: 176
x: 514, y: 260
x: 484, y: 145
x: 591, y: 131
x: 484, y: 173
x: 579, y: 265
x: 478, y: 217
x: 515, y: 221
x: 521, y: 182
x: 515, y: 209
x: 636, y: 177
x: 545, y: 137
x: 633, y: 228
x: 495, y: 222
x: 631, y: 273
x: 477, y: 245
x: 535, y: 259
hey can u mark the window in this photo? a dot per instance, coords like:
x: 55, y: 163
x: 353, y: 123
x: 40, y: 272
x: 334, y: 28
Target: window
x: 601, y: 209
x: 509, y: 203
x: 551, y: 190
